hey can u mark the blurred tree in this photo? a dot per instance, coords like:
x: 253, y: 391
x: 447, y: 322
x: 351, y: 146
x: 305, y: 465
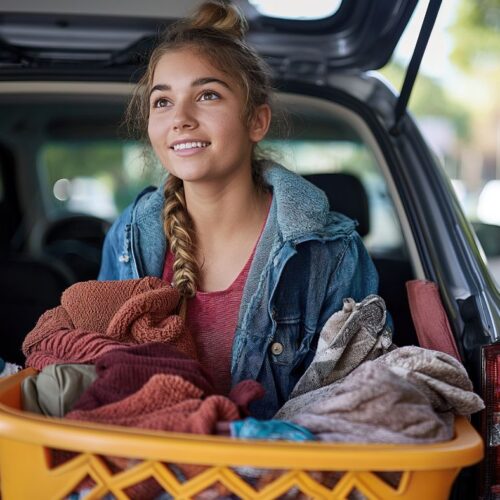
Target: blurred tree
x: 476, y: 51
x: 73, y: 159
x: 476, y: 34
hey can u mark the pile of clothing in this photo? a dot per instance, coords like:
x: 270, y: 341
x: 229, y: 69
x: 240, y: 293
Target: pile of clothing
x: 362, y: 388
x: 117, y: 353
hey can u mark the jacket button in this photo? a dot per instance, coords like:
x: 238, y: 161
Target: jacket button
x: 277, y: 348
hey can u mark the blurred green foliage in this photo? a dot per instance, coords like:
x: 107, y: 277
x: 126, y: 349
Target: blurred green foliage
x: 103, y: 160
x: 76, y: 158
x: 476, y: 34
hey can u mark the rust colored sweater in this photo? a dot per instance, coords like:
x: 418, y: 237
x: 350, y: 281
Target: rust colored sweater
x: 97, y: 316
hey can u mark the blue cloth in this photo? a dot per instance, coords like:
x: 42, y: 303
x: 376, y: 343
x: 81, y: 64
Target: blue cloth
x: 2, y: 365
x: 307, y: 261
x: 272, y: 430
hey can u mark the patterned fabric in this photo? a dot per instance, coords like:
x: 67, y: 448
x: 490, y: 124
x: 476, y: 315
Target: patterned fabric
x: 370, y: 405
x: 408, y: 395
x: 441, y: 377
x: 355, y: 334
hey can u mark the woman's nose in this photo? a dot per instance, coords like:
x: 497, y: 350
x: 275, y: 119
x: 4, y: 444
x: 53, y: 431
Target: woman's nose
x: 184, y: 117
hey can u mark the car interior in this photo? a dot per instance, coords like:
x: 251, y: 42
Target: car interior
x: 67, y: 169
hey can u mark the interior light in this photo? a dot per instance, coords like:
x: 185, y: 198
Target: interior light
x: 307, y: 10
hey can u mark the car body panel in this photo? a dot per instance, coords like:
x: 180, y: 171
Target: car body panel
x: 64, y: 40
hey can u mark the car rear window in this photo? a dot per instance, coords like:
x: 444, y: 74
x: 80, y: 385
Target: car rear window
x: 94, y: 177
x: 101, y: 177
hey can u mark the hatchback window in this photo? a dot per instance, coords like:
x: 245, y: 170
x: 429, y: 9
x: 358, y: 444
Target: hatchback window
x: 303, y: 10
x: 98, y: 178
x: 101, y: 178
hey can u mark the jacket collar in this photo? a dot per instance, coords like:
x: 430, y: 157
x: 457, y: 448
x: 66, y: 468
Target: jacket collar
x: 301, y: 208
x: 298, y: 210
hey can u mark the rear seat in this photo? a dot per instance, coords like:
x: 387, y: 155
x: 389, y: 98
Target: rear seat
x: 28, y: 285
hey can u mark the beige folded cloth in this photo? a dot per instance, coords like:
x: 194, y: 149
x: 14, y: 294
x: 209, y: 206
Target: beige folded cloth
x: 55, y: 390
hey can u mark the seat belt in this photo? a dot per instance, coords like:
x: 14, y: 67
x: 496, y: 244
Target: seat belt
x: 429, y: 317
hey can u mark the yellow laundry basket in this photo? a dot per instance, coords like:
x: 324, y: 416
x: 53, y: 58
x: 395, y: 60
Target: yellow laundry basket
x: 292, y: 470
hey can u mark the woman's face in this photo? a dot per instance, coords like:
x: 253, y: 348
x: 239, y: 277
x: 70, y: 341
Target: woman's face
x: 195, y: 119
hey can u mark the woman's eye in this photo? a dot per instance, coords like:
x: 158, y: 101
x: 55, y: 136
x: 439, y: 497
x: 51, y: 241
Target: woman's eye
x: 209, y: 95
x: 162, y: 102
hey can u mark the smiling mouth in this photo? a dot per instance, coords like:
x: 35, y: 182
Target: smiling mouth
x: 183, y: 146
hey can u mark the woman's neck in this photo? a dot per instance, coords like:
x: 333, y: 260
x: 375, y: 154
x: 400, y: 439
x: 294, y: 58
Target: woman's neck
x: 224, y: 211
x: 227, y: 224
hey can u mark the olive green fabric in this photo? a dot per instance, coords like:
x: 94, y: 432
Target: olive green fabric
x: 56, y: 389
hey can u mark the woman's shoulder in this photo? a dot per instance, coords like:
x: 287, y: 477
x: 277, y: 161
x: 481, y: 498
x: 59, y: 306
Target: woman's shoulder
x: 149, y: 202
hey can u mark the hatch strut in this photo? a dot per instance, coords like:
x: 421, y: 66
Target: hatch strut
x: 416, y: 59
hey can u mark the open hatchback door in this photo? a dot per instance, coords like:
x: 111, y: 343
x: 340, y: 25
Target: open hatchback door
x: 67, y: 69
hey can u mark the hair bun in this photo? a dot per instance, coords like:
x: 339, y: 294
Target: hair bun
x: 220, y: 15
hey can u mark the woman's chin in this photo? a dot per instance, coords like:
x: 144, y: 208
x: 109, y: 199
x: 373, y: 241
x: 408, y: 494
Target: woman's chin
x: 187, y: 171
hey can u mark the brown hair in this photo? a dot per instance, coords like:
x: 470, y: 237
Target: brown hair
x: 217, y: 31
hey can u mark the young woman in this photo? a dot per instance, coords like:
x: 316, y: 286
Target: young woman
x: 260, y: 261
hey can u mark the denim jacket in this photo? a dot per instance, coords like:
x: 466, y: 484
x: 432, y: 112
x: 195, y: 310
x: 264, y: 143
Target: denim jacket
x: 307, y: 261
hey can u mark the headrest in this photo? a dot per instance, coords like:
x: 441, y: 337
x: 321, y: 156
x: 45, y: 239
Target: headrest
x: 347, y: 195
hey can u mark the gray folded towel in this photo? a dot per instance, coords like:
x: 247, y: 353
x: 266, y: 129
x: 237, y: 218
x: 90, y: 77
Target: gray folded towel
x: 370, y: 405
x: 408, y: 395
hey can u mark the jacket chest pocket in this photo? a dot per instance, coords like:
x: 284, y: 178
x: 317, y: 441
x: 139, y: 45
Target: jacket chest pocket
x: 290, y: 341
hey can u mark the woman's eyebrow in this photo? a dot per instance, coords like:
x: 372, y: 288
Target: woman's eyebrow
x: 209, y: 79
x: 162, y: 87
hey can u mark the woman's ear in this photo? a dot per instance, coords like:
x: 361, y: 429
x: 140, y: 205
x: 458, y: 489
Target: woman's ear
x: 260, y: 122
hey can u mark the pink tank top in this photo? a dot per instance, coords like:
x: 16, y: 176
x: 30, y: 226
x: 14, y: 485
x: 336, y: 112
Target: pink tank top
x: 212, y: 318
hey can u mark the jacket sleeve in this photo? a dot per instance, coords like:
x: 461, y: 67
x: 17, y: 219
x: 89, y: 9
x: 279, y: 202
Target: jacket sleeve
x: 116, y: 247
